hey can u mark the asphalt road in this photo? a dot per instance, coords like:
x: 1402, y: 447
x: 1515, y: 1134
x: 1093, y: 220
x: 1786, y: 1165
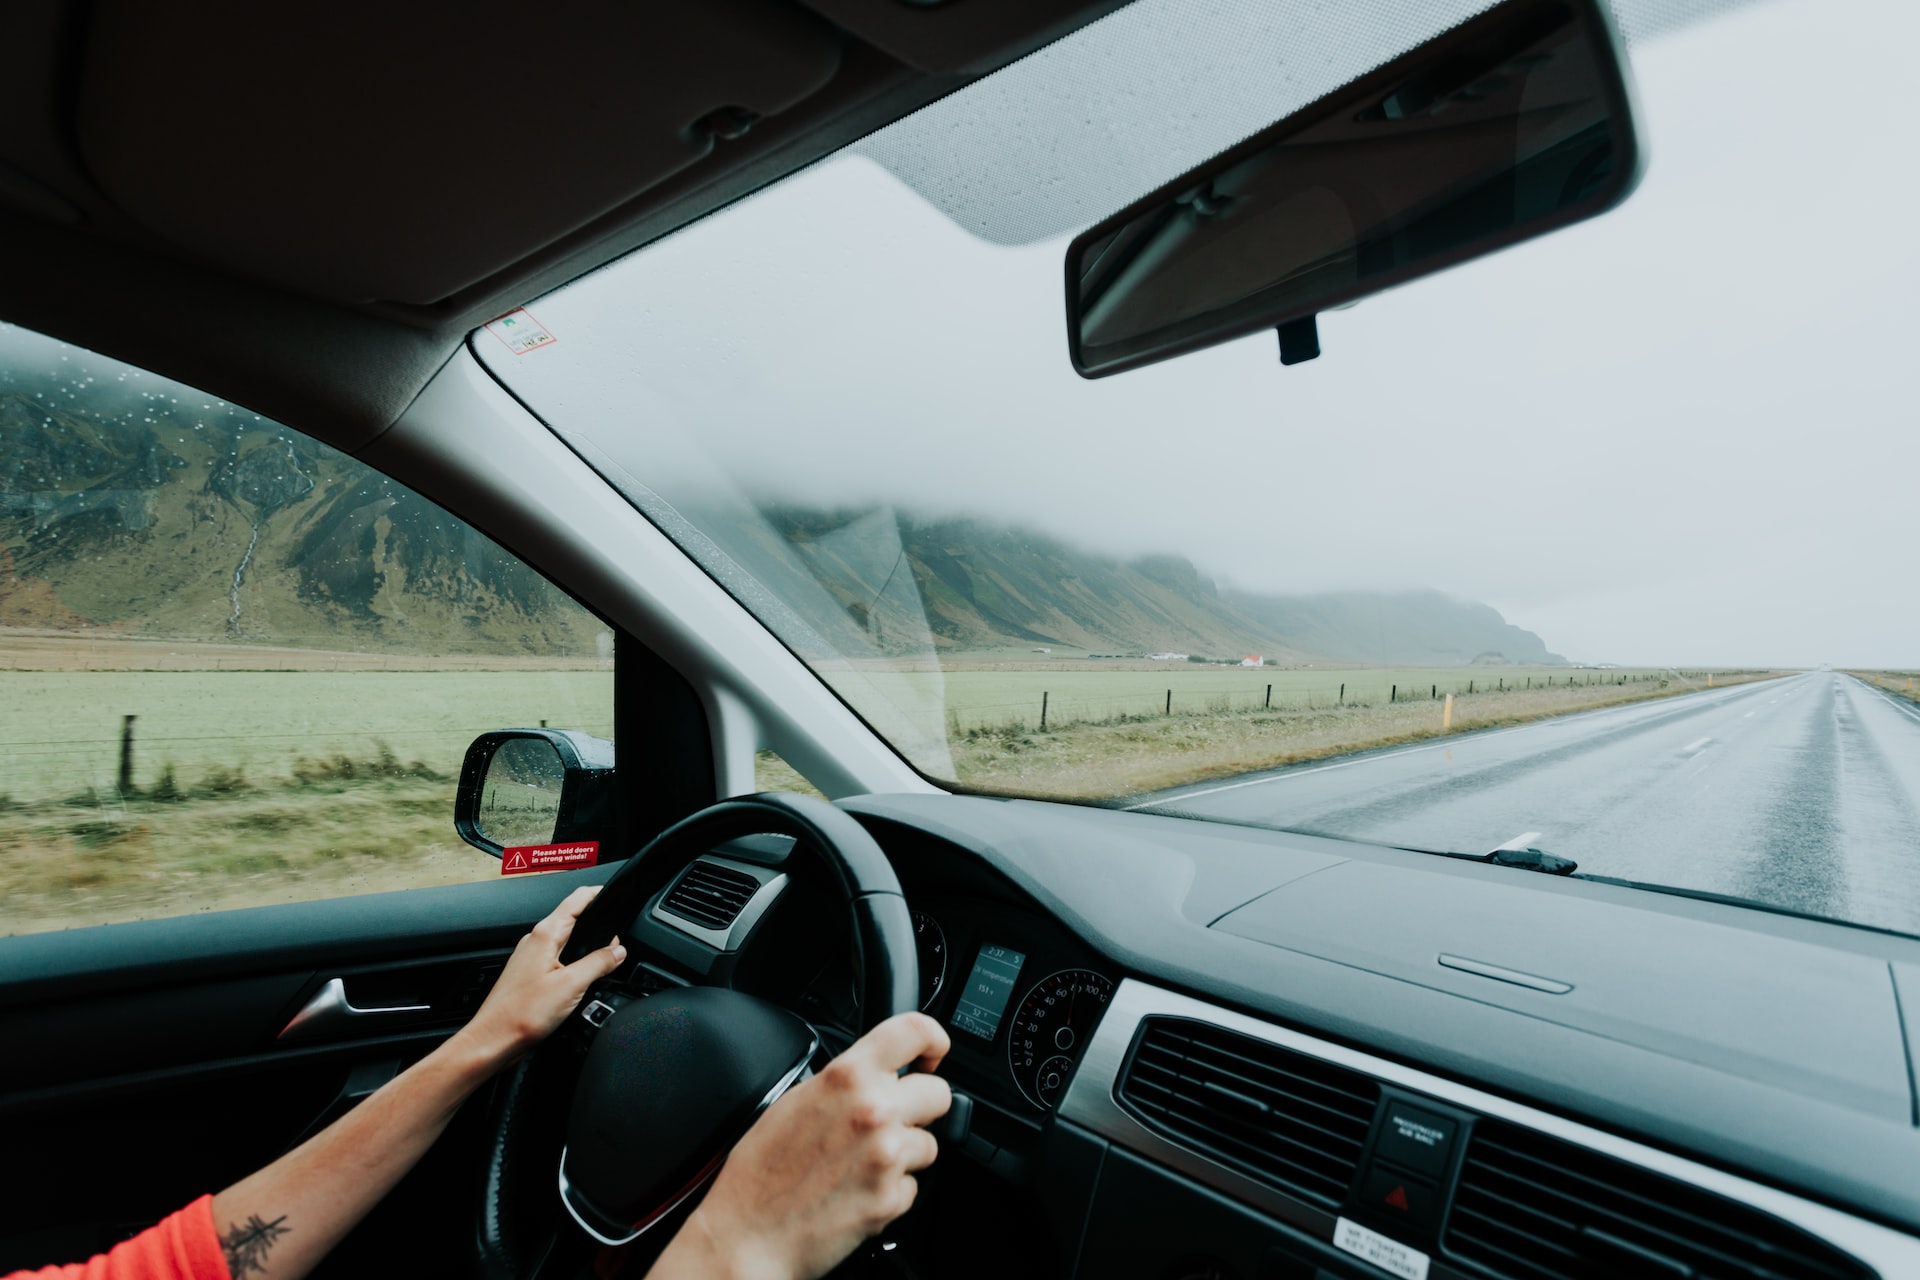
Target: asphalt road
x: 1803, y: 792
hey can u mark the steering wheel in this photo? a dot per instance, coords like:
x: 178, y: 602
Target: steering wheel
x: 668, y: 1083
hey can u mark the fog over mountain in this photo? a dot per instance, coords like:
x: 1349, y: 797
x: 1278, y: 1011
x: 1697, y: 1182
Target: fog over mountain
x: 149, y: 517
x: 982, y: 584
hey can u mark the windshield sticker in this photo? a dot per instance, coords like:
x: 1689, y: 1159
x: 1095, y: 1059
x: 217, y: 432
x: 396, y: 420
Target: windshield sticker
x: 548, y: 857
x: 1388, y: 1255
x: 520, y: 331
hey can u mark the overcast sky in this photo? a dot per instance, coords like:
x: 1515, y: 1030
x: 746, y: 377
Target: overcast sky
x: 1683, y: 433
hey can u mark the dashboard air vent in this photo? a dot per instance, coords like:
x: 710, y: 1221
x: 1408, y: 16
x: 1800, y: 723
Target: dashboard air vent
x: 710, y: 895
x: 1282, y: 1118
x: 1530, y: 1207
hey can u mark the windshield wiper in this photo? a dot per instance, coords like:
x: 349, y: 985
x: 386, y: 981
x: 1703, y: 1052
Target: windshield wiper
x: 1549, y: 864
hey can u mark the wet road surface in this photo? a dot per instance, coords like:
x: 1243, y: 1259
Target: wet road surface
x: 1803, y: 792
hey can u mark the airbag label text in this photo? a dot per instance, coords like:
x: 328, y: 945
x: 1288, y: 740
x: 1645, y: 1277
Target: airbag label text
x: 1371, y: 1246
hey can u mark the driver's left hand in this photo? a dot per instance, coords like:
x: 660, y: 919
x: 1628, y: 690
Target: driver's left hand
x: 535, y: 993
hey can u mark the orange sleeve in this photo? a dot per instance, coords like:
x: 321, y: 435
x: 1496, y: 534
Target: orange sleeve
x: 183, y: 1246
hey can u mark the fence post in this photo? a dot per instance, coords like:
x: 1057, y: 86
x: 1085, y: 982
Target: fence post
x: 126, y: 755
x: 1433, y: 692
x: 1469, y: 686
x: 1393, y: 693
x: 1043, y: 711
x: 1169, y: 702
x: 1269, y: 702
x: 1343, y: 695
x: 1446, y: 716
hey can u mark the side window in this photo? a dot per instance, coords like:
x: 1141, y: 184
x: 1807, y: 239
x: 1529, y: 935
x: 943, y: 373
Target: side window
x: 238, y: 667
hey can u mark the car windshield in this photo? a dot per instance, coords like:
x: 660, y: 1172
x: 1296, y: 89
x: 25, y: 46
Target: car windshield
x: 1592, y: 546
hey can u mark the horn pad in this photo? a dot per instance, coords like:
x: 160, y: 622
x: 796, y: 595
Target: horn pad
x: 669, y: 1085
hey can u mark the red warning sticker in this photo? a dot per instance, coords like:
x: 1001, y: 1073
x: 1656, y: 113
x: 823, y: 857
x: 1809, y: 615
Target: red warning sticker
x: 548, y: 857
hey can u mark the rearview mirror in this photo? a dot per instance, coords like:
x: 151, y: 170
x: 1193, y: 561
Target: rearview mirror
x: 1513, y: 124
x: 526, y: 787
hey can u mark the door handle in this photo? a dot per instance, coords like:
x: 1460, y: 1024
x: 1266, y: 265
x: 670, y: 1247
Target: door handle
x: 330, y: 1012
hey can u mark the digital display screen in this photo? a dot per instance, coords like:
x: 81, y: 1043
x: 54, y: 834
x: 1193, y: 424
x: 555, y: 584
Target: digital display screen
x: 989, y: 987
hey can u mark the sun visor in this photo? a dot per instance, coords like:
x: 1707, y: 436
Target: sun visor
x: 405, y: 152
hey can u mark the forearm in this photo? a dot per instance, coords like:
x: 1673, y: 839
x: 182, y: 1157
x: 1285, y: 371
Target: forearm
x: 281, y: 1221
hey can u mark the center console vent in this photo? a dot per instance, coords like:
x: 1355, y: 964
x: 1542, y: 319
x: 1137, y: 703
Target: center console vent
x: 1290, y: 1121
x: 710, y: 895
x: 1530, y: 1207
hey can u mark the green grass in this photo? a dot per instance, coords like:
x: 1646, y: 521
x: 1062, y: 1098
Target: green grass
x: 60, y: 730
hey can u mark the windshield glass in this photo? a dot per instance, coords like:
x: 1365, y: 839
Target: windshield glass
x: 1591, y: 546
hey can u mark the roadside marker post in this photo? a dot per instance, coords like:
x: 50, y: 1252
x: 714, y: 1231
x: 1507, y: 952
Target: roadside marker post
x: 1446, y: 716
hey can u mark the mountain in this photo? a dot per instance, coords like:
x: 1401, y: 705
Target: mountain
x: 163, y: 522
x: 1409, y: 628
x: 984, y: 586
x: 157, y: 520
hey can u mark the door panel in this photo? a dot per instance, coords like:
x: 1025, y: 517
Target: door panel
x: 144, y: 1062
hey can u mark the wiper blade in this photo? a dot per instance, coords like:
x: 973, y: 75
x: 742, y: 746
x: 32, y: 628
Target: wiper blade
x: 1551, y: 864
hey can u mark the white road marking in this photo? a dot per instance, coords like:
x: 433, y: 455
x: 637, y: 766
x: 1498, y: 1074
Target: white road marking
x: 1747, y: 716
x: 1698, y: 744
x: 1522, y: 841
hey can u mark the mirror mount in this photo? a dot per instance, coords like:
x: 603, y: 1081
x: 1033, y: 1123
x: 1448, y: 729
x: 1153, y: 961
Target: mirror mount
x: 1299, y: 339
x: 584, y: 806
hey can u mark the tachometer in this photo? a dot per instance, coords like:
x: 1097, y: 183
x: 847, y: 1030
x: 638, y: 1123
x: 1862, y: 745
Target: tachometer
x: 930, y: 946
x: 1050, y: 1028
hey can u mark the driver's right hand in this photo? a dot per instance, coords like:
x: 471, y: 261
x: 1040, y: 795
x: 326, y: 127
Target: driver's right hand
x: 828, y: 1165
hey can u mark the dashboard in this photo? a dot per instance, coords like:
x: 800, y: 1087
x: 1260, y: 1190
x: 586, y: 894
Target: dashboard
x: 1200, y: 1052
x: 1022, y: 1002
x: 1020, y: 996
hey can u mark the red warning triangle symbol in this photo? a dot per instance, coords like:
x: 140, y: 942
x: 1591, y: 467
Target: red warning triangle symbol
x: 518, y: 862
x: 1397, y: 1198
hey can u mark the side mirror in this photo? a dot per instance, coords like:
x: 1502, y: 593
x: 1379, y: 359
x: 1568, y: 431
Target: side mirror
x: 1513, y: 124
x: 534, y: 787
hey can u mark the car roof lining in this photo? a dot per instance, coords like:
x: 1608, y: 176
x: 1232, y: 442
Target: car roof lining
x: 131, y: 232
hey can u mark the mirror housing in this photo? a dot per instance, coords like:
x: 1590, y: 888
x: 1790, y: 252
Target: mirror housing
x: 1515, y: 123
x: 582, y: 772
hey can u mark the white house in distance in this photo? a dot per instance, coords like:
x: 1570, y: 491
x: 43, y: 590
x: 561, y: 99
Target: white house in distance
x: 1167, y: 657
x: 1253, y: 660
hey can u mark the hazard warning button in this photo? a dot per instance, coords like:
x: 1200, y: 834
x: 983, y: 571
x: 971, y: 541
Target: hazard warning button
x: 1397, y: 1197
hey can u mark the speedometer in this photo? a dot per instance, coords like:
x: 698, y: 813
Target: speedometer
x: 930, y: 948
x: 1050, y: 1028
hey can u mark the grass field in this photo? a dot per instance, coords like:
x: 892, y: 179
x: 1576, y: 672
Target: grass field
x: 60, y: 730
x: 1129, y: 755
x: 261, y: 786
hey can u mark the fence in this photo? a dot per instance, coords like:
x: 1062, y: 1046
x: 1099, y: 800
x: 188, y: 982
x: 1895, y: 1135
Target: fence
x: 1052, y: 711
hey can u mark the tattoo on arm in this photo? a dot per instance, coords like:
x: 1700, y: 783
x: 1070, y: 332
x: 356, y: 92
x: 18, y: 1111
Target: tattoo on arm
x: 246, y: 1245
